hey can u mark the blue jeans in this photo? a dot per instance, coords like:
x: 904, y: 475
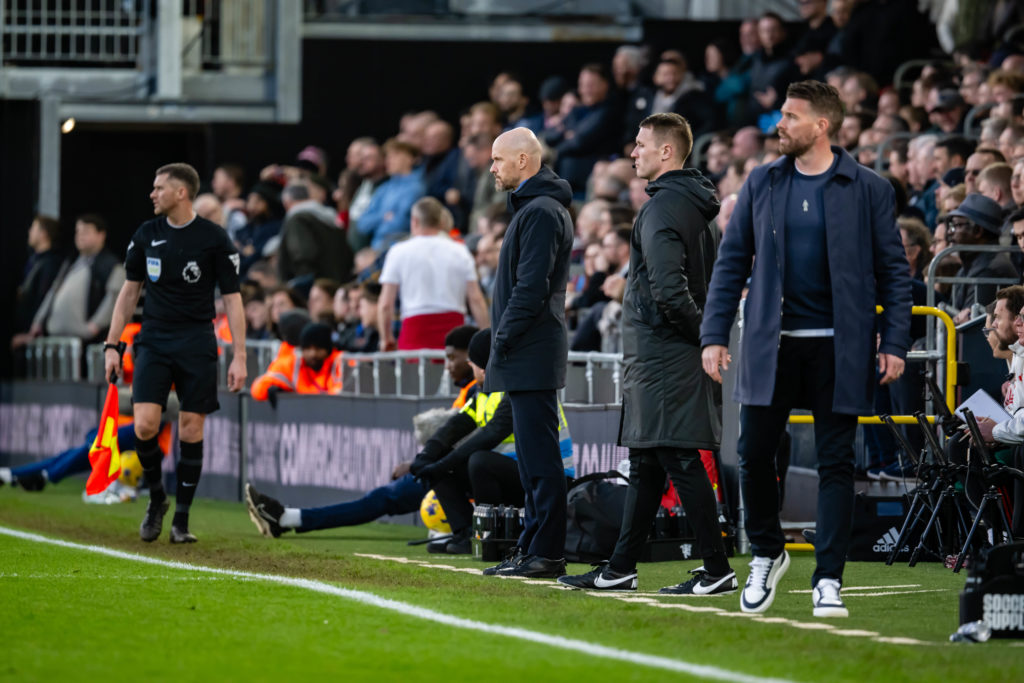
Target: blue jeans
x: 399, y: 497
x: 73, y: 460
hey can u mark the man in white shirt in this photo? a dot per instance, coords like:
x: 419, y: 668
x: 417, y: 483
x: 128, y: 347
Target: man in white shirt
x: 437, y: 277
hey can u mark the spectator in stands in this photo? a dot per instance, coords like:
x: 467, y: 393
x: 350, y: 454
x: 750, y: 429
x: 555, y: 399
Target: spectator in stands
x: 748, y: 142
x: 514, y: 104
x: 315, y: 369
x: 311, y: 245
x: 484, y: 119
x: 440, y: 158
x: 41, y: 270
x: 991, y: 129
x: 227, y: 183
x: 976, y: 163
x: 282, y: 300
x: 978, y: 220
x: 402, y: 496
x: 487, y: 252
x: 257, y: 312
x: 366, y: 336
x: 859, y: 92
x: 264, y: 273
x: 1005, y: 85
x: 387, y: 217
x: 994, y: 183
x: 853, y: 125
x: 484, y: 195
x: 321, y: 300
x: 209, y: 207
x: 1017, y: 183
x: 589, y: 132
x: 971, y: 80
x: 951, y: 152
x: 946, y: 110
x: 627, y: 65
x: 436, y: 278
x: 921, y: 170
x: 1011, y: 142
x: 1015, y: 222
x: 810, y: 49
x: 80, y: 302
x: 679, y: 91
x: 263, y: 206
x: 550, y: 94
x: 370, y: 167
x: 771, y: 69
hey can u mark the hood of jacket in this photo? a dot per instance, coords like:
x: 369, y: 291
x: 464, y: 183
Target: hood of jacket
x: 544, y: 184
x: 690, y: 183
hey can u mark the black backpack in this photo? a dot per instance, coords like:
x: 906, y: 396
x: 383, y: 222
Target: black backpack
x: 593, y: 517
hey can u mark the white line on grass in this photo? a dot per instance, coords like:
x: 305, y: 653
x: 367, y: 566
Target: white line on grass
x: 703, y: 671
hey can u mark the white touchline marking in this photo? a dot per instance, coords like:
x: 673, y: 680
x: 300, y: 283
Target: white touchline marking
x: 853, y: 633
x: 551, y: 640
x: 631, y: 596
x: 872, y: 595
x: 867, y: 588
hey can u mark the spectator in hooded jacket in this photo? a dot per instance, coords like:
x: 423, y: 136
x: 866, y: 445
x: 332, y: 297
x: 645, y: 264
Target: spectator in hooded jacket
x: 315, y: 369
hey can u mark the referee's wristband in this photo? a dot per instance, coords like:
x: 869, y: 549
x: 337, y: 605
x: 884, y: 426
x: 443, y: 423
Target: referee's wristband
x: 119, y: 347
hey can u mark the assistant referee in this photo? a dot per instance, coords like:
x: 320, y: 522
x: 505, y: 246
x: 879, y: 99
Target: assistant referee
x: 180, y: 258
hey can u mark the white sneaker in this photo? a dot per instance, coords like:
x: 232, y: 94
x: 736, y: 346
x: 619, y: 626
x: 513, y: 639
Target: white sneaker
x: 759, y: 591
x: 827, y: 602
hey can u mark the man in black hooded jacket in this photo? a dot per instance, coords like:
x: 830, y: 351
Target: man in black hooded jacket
x: 529, y: 347
x: 669, y: 409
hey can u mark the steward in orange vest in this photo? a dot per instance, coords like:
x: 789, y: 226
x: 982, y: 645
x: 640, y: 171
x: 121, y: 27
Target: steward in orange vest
x: 314, y: 368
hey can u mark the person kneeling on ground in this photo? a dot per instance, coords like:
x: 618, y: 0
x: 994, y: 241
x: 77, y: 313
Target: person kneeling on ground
x: 483, y: 467
x: 401, y: 496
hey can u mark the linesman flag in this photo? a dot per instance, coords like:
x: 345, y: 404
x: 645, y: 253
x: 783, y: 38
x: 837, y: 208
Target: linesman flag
x: 104, y: 456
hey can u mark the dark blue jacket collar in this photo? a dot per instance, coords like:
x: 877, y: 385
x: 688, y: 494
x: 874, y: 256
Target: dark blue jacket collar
x: 846, y: 167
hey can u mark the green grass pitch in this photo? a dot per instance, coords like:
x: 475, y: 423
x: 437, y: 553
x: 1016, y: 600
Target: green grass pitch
x: 69, y: 614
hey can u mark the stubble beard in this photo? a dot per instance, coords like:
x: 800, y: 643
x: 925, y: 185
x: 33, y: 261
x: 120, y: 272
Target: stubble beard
x: 795, y: 148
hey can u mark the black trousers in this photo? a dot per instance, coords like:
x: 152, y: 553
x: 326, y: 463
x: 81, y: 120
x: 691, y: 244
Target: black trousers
x: 805, y: 378
x: 647, y: 470
x: 488, y: 477
x: 535, y: 419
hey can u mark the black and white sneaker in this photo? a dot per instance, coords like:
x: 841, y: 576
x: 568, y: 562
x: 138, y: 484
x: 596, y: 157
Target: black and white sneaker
x: 827, y: 602
x: 515, y: 556
x: 759, y: 591
x: 601, y: 578
x: 264, y: 511
x: 182, y: 535
x: 703, y: 583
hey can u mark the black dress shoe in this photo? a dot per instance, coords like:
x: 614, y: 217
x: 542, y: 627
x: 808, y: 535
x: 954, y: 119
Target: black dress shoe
x: 515, y: 556
x: 536, y: 567
x: 460, y: 543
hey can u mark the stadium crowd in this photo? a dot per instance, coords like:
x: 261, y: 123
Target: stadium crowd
x: 401, y: 244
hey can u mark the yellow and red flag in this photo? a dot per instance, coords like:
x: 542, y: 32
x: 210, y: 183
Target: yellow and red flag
x: 104, y: 455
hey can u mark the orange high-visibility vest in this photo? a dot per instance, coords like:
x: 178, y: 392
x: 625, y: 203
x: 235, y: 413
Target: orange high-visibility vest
x: 289, y: 373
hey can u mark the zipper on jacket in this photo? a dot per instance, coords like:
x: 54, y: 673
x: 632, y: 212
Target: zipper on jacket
x: 775, y: 238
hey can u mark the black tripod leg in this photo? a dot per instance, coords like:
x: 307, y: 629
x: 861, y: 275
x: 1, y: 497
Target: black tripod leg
x: 924, y: 534
x: 914, y: 514
x: 970, y: 534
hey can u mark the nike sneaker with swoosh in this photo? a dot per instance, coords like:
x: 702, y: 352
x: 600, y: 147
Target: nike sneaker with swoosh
x: 265, y: 512
x: 602, y: 578
x: 703, y: 583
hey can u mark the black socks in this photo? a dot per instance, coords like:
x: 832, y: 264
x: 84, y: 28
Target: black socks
x: 151, y: 457
x: 190, y: 466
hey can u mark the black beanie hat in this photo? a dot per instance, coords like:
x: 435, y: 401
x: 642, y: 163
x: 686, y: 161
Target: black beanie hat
x: 480, y: 347
x: 317, y: 335
x: 290, y: 325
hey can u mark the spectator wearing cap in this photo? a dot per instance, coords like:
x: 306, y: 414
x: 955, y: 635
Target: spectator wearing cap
x: 946, y: 110
x: 311, y: 245
x: 550, y: 94
x: 387, y: 217
x: 263, y: 206
x: 952, y: 178
x: 312, y: 159
x: 315, y: 369
x: 978, y: 220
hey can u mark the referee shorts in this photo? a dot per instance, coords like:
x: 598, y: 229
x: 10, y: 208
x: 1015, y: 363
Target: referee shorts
x: 185, y: 358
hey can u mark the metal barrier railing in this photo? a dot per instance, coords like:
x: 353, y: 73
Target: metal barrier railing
x: 76, y: 33
x: 54, y: 358
x: 928, y: 355
x: 399, y: 361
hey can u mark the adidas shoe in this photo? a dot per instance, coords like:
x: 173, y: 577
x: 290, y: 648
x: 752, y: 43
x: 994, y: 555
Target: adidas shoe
x: 827, y: 602
x: 601, y: 578
x: 703, y: 583
x: 153, y: 523
x: 765, y: 573
x: 515, y: 556
x: 264, y: 511
x: 181, y: 535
